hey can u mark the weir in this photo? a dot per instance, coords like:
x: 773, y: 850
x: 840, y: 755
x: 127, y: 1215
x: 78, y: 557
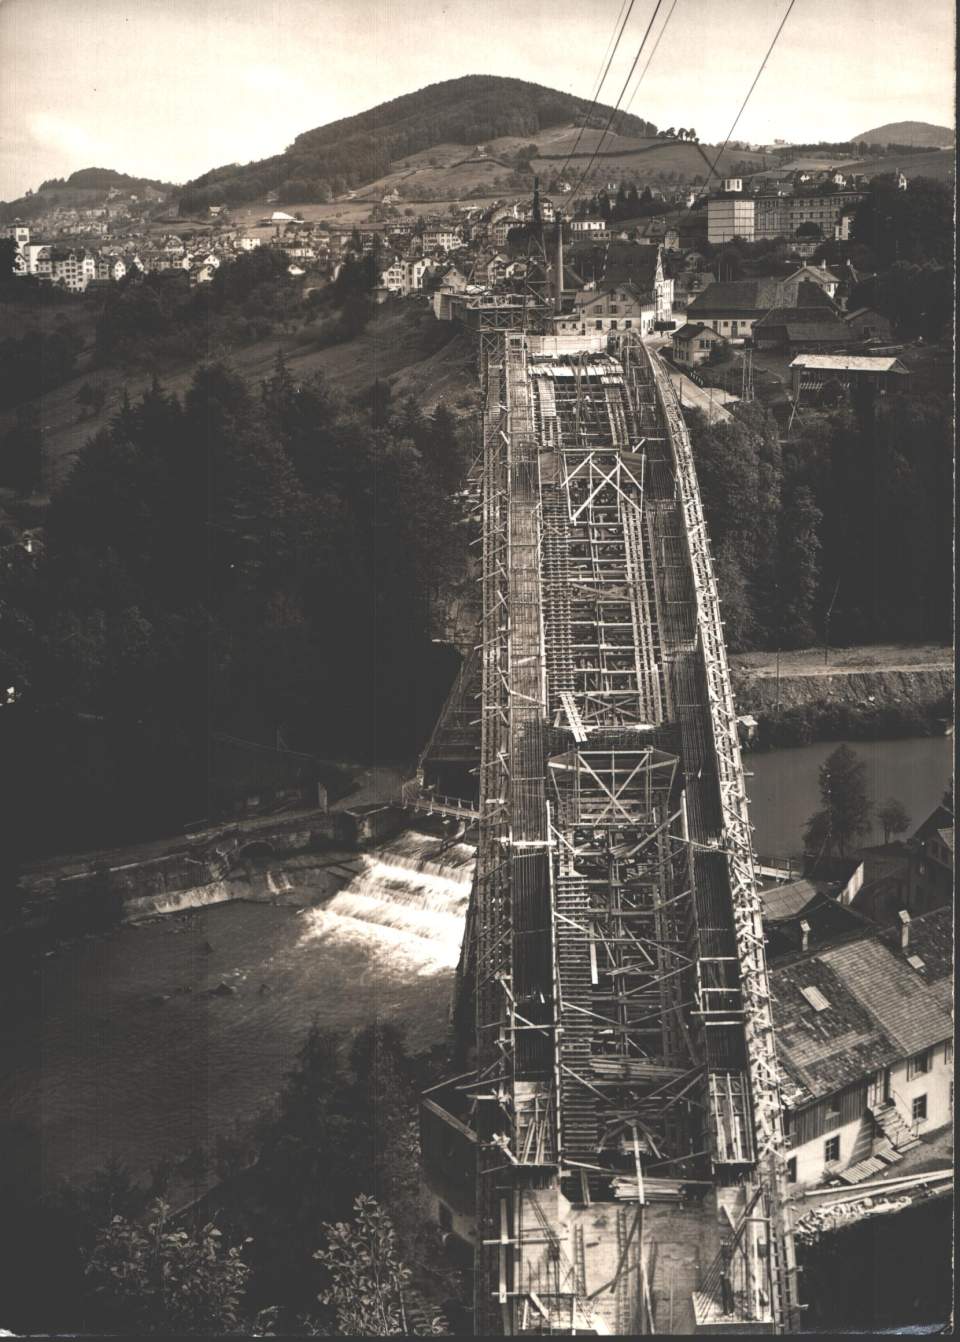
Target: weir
x: 618, y: 1097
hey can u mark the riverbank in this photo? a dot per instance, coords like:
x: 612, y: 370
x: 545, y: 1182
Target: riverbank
x: 878, y: 692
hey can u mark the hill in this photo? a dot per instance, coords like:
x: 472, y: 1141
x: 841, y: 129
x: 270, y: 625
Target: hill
x: 357, y: 150
x: 84, y: 188
x: 919, y: 133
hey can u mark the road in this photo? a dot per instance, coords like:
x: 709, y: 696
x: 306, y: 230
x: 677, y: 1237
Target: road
x: 709, y: 400
x: 845, y: 661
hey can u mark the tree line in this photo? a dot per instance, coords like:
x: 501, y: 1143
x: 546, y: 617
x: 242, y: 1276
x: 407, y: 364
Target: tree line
x: 854, y: 513
x: 227, y: 562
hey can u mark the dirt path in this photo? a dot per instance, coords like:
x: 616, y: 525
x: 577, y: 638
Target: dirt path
x: 844, y: 661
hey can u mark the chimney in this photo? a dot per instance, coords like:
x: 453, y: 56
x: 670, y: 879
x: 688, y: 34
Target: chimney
x: 804, y: 935
x: 558, y: 267
x: 904, y: 929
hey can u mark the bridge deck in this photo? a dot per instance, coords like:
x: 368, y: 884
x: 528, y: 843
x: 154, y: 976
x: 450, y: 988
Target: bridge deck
x: 623, y: 1029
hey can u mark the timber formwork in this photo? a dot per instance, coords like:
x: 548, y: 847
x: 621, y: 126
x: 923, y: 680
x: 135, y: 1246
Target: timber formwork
x: 625, y: 1096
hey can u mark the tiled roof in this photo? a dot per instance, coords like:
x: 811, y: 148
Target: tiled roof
x: 823, y: 1051
x: 881, y: 1008
x: 905, y: 1000
x: 738, y: 296
x: 691, y: 329
x: 931, y: 937
x: 807, y: 330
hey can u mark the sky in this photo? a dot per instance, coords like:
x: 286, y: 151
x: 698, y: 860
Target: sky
x: 170, y: 88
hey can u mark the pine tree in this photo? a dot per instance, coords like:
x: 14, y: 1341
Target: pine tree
x: 846, y: 810
x: 799, y: 577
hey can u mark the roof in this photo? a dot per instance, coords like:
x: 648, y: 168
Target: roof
x: 821, y: 331
x: 819, y: 272
x: 823, y: 1051
x: 738, y: 296
x: 853, y: 313
x: 843, y: 363
x: 881, y: 1008
x: 691, y: 329
x: 786, y: 901
x: 931, y: 937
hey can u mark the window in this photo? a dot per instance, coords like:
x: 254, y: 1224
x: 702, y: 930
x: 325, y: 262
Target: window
x: 444, y: 1217
x: 599, y: 325
x: 792, y: 1170
x: 919, y: 1064
x: 948, y: 1051
x: 831, y: 1149
x: 832, y: 1115
x: 919, y: 1108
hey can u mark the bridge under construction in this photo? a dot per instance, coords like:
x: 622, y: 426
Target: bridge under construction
x: 618, y: 1109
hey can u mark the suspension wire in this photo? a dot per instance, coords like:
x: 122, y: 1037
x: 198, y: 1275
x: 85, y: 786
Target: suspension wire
x: 616, y: 108
x: 603, y: 77
x: 747, y: 98
x: 650, y: 57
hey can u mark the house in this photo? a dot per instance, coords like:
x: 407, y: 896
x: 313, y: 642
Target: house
x: 865, y: 1048
x: 588, y: 228
x: 804, y: 914
x: 868, y: 324
x: 694, y: 343
x: 602, y: 265
x: 441, y: 239
x: 732, y: 307
x: 818, y: 275
x: 801, y: 328
x: 915, y: 874
x: 496, y: 269
x: 811, y: 372
x: 405, y: 276
x: 110, y: 268
x: 613, y: 307
x: 72, y: 268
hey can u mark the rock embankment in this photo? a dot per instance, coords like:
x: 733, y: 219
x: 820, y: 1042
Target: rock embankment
x: 810, y: 701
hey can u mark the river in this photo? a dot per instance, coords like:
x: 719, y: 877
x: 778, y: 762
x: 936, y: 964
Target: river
x: 122, y: 1048
x: 784, y: 790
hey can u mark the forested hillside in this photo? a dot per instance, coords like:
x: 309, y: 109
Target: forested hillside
x: 854, y: 512
x: 359, y: 149
x: 86, y: 187
x: 232, y: 561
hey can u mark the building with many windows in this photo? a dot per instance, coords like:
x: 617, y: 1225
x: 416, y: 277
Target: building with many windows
x: 865, y: 1048
x: 756, y: 218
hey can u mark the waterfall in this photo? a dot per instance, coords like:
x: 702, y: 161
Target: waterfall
x: 408, y: 900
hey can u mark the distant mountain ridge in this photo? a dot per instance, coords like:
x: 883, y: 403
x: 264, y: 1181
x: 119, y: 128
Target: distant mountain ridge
x: 359, y: 149
x: 920, y: 133
x: 84, y: 188
x: 104, y: 179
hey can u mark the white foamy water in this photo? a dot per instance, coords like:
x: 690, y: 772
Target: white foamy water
x: 408, y: 900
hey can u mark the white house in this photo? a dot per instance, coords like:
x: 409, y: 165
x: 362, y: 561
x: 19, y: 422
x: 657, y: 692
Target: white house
x: 442, y: 239
x: 864, y: 1033
x: 618, y: 307
x: 589, y: 228
x: 73, y: 268
x: 405, y: 276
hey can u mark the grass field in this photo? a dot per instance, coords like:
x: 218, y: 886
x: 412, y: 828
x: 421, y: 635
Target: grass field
x: 401, y: 345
